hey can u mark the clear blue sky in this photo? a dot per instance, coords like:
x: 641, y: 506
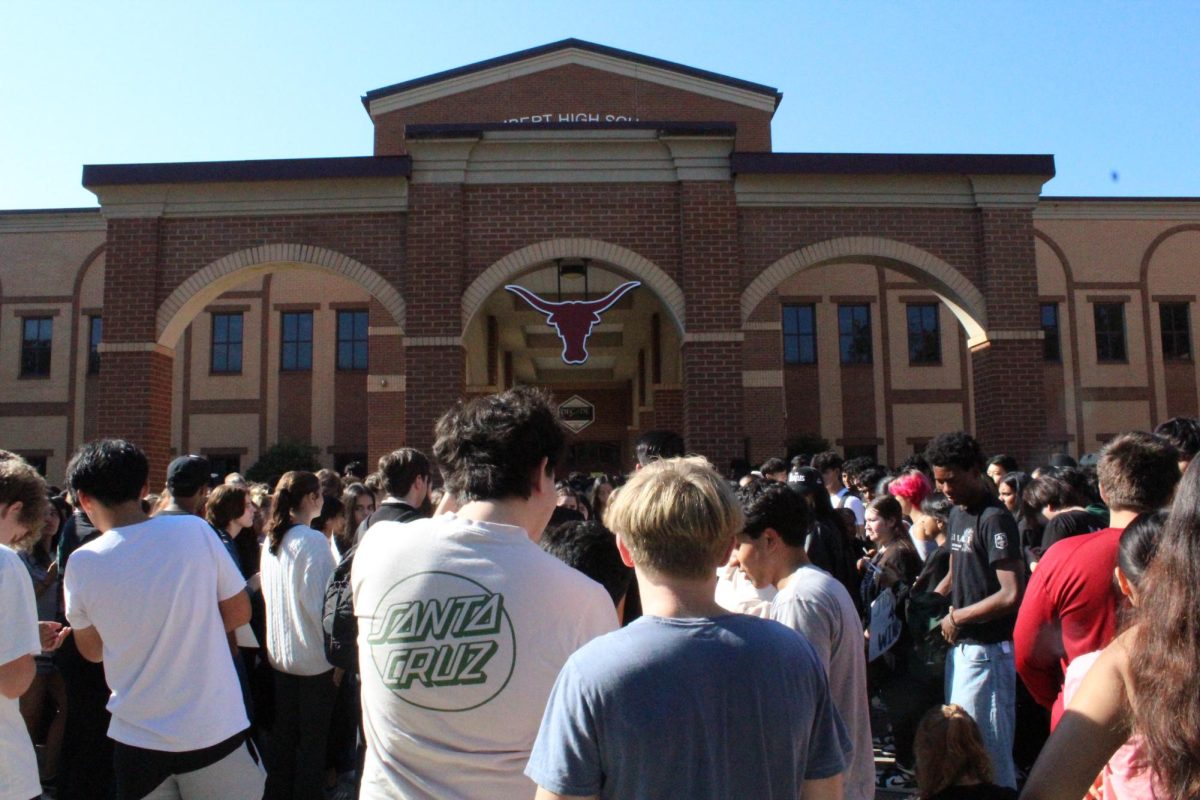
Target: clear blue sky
x: 1104, y: 86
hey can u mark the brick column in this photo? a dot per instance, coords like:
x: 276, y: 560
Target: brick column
x: 1007, y: 372
x: 712, y: 345
x: 386, y: 384
x: 135, y: 376
x: 433, y: 286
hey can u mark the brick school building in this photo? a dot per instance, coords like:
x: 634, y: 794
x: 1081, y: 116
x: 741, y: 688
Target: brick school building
x: 670, y: 270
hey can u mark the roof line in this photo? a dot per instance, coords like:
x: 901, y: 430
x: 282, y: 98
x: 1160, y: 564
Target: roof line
x: 281, y: 169
x: 1117, y: 199
x: 77, y: 210
x: 890, y: 163
x: 566, y: 44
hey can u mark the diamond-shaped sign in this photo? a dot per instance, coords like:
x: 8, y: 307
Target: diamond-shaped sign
x: 576, y: 413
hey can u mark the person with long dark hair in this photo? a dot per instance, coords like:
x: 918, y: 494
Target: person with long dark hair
x: 296, y: 565
x: 1151, y: 694
x: 1011, y: 490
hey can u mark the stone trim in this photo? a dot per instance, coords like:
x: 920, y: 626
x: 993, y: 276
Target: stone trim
x: 392, y: 330
x: 762, y: 378
x: 386, y: 383
x: 714, y: 336
x: 518, y: 261
x: 134, y: 347
x: 53, y: 221
x: 207, y: 283
x: 433, y: 341
x: 995, y: 334
x: 762, y: 326
x: 954, y: 289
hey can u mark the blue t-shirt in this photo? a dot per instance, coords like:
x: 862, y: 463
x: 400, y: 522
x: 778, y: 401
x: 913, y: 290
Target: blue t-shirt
x: 731, y: 706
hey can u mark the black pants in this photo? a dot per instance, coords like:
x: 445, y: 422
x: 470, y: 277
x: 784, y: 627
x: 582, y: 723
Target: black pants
x: 296, y: 750
x: 86, y: 771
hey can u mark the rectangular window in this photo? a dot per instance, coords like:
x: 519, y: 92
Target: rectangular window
x: 854, y: 333
x: 924, y: 334
x: 296, y: 353
x: 1052, y: 341
x: 1110, y: 331
x: 352, y: 340
x: 1176, y: 331
x: 95, y: 331
x: 36, y: 333
x: 226, y: 344
x: 221, y: 464
x: 799, y: 334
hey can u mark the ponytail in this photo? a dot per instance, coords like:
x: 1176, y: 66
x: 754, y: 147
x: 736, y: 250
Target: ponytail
x: 291, y: 490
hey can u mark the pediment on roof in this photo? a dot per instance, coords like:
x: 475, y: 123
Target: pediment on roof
x: 567, y: 53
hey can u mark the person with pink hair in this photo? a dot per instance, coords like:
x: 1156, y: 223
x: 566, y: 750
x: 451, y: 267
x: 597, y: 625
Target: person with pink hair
x: 911, y: 489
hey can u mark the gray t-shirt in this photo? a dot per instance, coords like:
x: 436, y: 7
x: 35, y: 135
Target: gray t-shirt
x: 814, y: 603
x: 730, y: 706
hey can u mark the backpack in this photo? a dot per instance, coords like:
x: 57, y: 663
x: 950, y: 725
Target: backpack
x: 338, y: 623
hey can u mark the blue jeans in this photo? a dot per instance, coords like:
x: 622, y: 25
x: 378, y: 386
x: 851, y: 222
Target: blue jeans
x: 982, y: 678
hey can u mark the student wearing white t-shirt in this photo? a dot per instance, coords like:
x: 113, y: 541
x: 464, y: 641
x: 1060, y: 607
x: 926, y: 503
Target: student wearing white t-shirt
x: 154, y: 599
x: 463, y: 621
x: 22, y: 504
x: 771, y: 552
x: 295, y: 568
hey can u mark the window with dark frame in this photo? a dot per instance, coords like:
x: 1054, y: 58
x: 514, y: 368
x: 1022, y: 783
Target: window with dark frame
x: 1052, y: 339
x: 36, y: 336
x: 854, y: 333
x: 38, y: 462
x: 226, y: 358
x: 352, y: 339
x: 799, y: 334
x: 295, y: 355
x: 1176, y: 331
x: 222, y: 464
x: 95, y: 332
x: 924, y: 334
x: 1110, y: 331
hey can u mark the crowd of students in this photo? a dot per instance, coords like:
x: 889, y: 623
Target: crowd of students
x: 671, y: 633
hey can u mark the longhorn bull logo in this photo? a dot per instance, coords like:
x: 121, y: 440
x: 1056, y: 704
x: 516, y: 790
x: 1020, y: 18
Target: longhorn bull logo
x: 573, y: 319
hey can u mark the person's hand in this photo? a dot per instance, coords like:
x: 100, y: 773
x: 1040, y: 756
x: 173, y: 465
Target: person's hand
x: 949, y: 628
x: 338, y: 674
x: 52, y: 634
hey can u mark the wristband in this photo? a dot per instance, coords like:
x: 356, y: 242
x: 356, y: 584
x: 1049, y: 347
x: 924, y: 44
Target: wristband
x: 951, y: 616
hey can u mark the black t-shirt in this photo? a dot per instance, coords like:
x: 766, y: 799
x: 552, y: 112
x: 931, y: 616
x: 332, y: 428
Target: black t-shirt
x: 980, y: 537
x: 980, y: 791
x: 1068, y: 524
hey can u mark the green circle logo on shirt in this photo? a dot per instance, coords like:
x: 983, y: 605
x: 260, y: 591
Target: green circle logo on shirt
x: 443, y: 642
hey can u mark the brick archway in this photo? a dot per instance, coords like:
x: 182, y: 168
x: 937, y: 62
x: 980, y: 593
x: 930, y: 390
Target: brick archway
x: 207, y: 284
x: 519, y: 261
x: 959, y: 294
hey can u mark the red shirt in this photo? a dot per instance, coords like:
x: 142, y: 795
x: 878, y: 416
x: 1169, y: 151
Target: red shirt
x: 1069, y: 609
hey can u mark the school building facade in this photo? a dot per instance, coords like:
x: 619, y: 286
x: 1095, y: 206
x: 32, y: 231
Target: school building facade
x: 665, y: 269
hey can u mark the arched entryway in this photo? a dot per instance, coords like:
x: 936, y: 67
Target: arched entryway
x: 631, y: 376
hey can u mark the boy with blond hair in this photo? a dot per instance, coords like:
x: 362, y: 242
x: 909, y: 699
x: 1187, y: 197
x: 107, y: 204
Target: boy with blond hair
x: 689, y: 700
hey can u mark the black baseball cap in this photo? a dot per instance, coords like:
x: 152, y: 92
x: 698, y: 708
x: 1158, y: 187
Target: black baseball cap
x: 806, y: 480
x: 188, y: 474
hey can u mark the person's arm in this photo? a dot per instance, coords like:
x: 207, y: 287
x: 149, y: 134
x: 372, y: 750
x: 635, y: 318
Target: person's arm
x: 823, y: 789
x: 235, y: 611
x: 16, y: 676
x: 1010, y: 573
x: 89, y: 643
x: 546, y: 794
x: 1037, y: 641
x: 1095, y: 725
